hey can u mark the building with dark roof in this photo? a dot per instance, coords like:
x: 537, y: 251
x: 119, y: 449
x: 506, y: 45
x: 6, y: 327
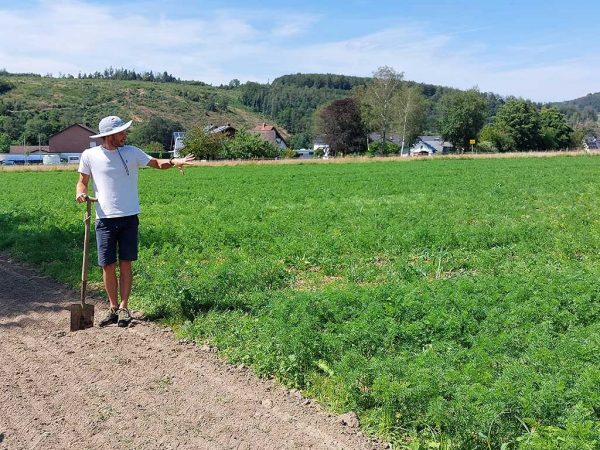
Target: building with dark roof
x: 430, y: 145
x: 591, y: 143
x: 227, y: 129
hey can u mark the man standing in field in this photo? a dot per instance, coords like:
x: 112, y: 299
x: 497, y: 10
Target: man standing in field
x: 113, y: 167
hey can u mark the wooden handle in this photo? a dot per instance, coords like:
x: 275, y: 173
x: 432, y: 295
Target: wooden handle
x: 86, y: 239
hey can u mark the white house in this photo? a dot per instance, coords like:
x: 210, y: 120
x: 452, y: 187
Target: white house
x: 430, y: 145
x: 320, y: 145
x: 591, y: 144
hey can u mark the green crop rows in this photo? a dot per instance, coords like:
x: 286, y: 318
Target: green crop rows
x: 451, y: 303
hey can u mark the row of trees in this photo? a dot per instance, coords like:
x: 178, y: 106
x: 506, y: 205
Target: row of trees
x: 521, y: 125
x: 127, y: 74
x: 321, y: 81
x: 389, y: 105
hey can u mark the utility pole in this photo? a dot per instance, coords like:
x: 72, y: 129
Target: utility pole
x: 25, y: 151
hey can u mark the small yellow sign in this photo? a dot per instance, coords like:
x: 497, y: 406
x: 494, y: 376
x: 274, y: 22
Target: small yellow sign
x: 472, y: 141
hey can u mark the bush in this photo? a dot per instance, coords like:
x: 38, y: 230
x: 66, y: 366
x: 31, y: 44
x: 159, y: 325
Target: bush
x: 154, y: 148
x: 378, y: 149
x: 203, y: 145
x: 486, y: 147
x: 245, y: 145
x: 4, y: 143
x: 289, y: 153
x: 499, y: 138
x: 5, y: 86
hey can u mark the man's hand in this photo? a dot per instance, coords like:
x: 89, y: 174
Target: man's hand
x: 81, y: 197
x: 185, y: 161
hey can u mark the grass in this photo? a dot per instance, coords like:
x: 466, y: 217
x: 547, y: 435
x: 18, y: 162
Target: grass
x: 450, y: 303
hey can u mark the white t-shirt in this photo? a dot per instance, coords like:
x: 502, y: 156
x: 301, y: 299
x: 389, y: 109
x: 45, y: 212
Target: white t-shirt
x: 115, y: 178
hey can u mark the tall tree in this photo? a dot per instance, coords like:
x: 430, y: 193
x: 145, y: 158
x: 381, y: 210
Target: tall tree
x: 520, y: 120
x: 556, y: 133
x: 462, y: 115
x: 411, y: 114
x: 379, y: 100
x: 341, y: 126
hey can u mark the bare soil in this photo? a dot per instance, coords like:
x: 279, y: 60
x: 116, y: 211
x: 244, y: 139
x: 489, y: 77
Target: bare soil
x: 136, y: 387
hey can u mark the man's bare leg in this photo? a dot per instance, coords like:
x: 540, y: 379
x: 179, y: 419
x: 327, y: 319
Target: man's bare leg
x: 109, y: 275
x: 125, y: 281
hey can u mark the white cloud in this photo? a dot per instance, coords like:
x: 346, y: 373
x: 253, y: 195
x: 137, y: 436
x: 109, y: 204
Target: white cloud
x: 72, y: 36
x: 293, y: 25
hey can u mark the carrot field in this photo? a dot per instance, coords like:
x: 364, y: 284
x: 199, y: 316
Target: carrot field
x: 452, y: 304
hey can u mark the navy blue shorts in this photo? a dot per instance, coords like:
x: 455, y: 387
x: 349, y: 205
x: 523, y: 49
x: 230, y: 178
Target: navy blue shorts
x: 117, y: 233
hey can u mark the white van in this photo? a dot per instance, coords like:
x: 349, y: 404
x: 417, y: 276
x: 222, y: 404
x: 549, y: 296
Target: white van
x: 49, y: 160
x: 72, y: 159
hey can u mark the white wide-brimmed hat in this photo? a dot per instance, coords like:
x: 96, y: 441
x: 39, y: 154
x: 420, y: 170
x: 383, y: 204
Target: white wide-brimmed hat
x: 111, y: 125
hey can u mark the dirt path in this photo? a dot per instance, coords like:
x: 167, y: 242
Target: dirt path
x: 135, y: 388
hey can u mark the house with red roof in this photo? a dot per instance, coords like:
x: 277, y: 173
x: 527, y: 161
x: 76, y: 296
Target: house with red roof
x: 270, y: 133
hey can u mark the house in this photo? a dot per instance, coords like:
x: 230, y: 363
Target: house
x: 177, y: 143
x: 591, y: 143
x: 319, y: 145
x: 430, y: 145
x: 73, y: 139
x: 29, y: 149
x: 227, y: 130
x: 392, y: 138
x: 67, y: 144
x: 270, y: 133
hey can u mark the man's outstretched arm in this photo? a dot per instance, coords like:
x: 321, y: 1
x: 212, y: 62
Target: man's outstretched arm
x: 173, y: 162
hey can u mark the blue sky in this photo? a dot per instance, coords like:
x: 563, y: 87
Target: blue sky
x: 542, y: 50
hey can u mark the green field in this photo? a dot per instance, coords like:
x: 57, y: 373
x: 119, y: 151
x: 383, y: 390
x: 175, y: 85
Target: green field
x: 451, y: 303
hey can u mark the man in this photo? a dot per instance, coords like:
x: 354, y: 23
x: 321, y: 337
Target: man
x: 113, y: 167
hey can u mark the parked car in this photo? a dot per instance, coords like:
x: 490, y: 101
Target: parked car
x: 8, y: 162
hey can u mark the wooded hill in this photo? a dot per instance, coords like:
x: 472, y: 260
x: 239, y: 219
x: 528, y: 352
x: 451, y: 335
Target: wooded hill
x: 582, y: 109
x: 33, y: 107
x: 292, y: 100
